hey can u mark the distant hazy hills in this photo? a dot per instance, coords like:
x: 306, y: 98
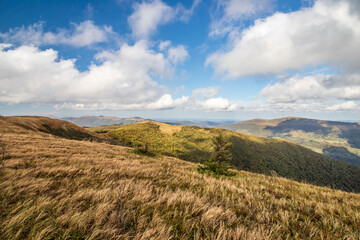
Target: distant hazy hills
x: 95, y: 121
x: 202, y: 124
x: 338, y: 140
x: 255, y: 154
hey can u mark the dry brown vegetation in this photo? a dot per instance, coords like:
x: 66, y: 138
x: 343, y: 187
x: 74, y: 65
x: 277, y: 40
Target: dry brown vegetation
x: 55, y: 188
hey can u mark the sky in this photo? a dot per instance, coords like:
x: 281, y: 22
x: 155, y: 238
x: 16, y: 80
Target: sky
x: 193, y: 59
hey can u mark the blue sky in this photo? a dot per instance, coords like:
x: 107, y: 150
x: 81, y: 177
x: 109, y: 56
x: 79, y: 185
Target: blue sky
x: 196, y: 59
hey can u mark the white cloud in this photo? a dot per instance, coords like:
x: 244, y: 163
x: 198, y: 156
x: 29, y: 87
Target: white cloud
x: 123, y: 80
x: 313, y: 93
x: 163, y: 45
x: 349, y: 105
x: 185, y: 14
x: 166, y: 102
x: 203, y: 99
x: 83, y: 34
x: 231, y: 12
x: 296, y: 88
x: 148, y: 15
x: 4, y: 46
x: 327, y: 33
x: 301, y: 106
x: 239, y: 8
x: 216, y: 104
x: 320, y: 87
x: 177, y: 54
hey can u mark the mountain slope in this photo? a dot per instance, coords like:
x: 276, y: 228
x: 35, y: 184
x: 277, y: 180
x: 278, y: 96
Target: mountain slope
x: 95, y: 121
x: 338, y: 140
x: 56, y: 188
x: 55, y: 127
x: 260, y: 155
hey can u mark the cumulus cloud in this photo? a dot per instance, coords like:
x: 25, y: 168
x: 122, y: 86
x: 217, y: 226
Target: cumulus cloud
x: 203, y: 99
x: 79, y: 35
x: 216, y: 104
x: 349, y: 105
x: 177, y: 54
x: 326, y: 33
x: 148, y: 15
x: 123, y: 79
x: 230, y: 12
x: 299, y: 88
x: 167, y: 102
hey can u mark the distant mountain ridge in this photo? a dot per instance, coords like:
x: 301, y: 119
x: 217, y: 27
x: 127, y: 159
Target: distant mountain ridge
x: 96, y: 121
x: 202, y: 124
x: 338, y: 140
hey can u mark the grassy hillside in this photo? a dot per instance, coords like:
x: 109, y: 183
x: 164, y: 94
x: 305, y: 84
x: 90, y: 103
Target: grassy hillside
x: 56, y: 188
x: 49, y: 125
x: 338, y: 140
x: 260, y: 155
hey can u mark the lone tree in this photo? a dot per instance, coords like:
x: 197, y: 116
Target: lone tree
x: 219, y: 162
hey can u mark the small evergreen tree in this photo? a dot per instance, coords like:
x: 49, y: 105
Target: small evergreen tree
x: 219, y: 162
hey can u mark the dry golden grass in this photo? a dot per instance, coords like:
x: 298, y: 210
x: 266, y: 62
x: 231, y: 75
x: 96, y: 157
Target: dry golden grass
x: 54, y: 188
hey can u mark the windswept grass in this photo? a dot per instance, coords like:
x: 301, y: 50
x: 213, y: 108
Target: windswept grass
x: 54, y: 188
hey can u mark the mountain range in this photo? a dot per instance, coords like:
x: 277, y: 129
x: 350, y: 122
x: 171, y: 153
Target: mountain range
x: 95, y: 121
x: 338, y: 140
